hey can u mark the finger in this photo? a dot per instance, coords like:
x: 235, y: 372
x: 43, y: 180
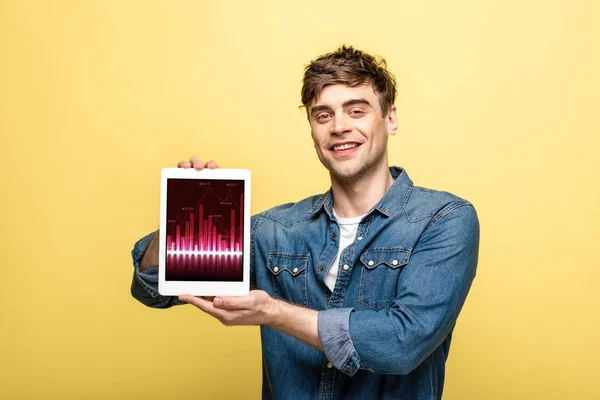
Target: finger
x: 199, y: 302
x: 211, y: 164
x: 197, y: 163
x: 224, y: 316
x: 182, y: 164
x: 234, y: 303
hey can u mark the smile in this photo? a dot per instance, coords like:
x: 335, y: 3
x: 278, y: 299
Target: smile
x: 345, y: 146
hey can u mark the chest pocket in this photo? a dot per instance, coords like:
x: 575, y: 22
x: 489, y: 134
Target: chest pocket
x: 288, y: 274
x: 381, y: 270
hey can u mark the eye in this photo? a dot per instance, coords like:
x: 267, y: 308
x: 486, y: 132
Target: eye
x: 324, y: 117
x: 356, y: 112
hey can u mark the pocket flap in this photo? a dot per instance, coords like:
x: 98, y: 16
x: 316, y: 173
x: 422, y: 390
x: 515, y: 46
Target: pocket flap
x: 393, y: 258
x: 292, y: 263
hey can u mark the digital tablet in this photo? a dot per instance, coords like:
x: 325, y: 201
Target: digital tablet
x: 204, y: 232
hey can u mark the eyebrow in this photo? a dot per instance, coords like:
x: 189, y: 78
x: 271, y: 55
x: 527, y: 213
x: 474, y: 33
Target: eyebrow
x: 347, y: 103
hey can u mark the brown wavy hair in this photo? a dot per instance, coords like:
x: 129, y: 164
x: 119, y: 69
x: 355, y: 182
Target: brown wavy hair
x: 352, y: 67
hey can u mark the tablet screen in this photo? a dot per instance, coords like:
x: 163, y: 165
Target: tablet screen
x: 205, y: 228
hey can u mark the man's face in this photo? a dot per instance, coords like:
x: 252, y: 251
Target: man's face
x: 350, y: 132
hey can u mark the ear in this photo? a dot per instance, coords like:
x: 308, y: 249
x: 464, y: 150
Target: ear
x: 392, y: 121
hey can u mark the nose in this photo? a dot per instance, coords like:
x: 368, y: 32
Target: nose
x: 341, y: 124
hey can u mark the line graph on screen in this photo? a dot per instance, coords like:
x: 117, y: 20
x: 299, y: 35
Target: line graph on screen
x: 204, y: 238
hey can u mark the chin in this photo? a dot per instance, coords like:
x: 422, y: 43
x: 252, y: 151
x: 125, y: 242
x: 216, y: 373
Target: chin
x: 353, y: 170
x: 345, y: 173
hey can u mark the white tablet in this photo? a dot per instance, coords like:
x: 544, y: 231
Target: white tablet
x: 204, y: 232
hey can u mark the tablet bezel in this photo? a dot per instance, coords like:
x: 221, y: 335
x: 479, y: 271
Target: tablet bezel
x: 203, y: 288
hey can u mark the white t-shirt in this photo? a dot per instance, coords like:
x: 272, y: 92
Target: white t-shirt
x: 348, y: 229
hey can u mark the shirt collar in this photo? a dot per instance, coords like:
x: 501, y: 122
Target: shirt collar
x: 388, y: 203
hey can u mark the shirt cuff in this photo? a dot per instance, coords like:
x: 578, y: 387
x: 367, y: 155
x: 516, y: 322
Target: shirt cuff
x: 149, y: 278
x: 334, y: 332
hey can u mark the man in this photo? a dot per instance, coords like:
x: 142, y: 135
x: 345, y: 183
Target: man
x: 359, y: 289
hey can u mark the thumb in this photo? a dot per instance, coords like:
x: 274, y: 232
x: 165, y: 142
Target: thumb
x: 231, y: 303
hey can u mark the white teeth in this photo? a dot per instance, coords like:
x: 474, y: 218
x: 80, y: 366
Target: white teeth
x: 345, y: 146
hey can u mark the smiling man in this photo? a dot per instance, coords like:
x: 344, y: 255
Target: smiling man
x: 357, y: 291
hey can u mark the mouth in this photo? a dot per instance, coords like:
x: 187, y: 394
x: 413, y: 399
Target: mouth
x: 344, y: 146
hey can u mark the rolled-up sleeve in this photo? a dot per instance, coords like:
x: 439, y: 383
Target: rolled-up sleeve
x: 430, y: 294
x: 431, y: 291
x: 334, y: 332
x: 144, y: 285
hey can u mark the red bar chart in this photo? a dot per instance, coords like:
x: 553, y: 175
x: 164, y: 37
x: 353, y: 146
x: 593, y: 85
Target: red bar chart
x: 205, y: 232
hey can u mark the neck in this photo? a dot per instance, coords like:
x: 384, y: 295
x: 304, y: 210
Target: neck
x: 357, y: 196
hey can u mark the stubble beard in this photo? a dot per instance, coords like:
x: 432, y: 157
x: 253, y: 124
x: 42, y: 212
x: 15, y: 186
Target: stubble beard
x: 353, y: 172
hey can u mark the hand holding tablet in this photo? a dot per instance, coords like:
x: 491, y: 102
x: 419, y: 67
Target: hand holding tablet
x: 204, y: 230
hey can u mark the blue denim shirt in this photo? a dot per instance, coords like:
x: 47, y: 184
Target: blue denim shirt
x: 386, y: 327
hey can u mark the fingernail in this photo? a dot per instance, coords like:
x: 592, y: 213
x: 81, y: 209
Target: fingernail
x: 218, y: 302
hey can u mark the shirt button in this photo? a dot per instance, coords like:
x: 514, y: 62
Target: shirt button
x: 345, y: 267
x: 321, y: 268
x: 329, y: 365
x: 295, y: 270
x: 359, y: 238
x: 370, y: 263
x: 333, y: 235
x: 275, y: 269
x: 395, y: 262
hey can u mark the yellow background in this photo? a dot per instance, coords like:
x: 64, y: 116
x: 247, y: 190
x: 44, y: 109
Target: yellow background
x: 498, y: 103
